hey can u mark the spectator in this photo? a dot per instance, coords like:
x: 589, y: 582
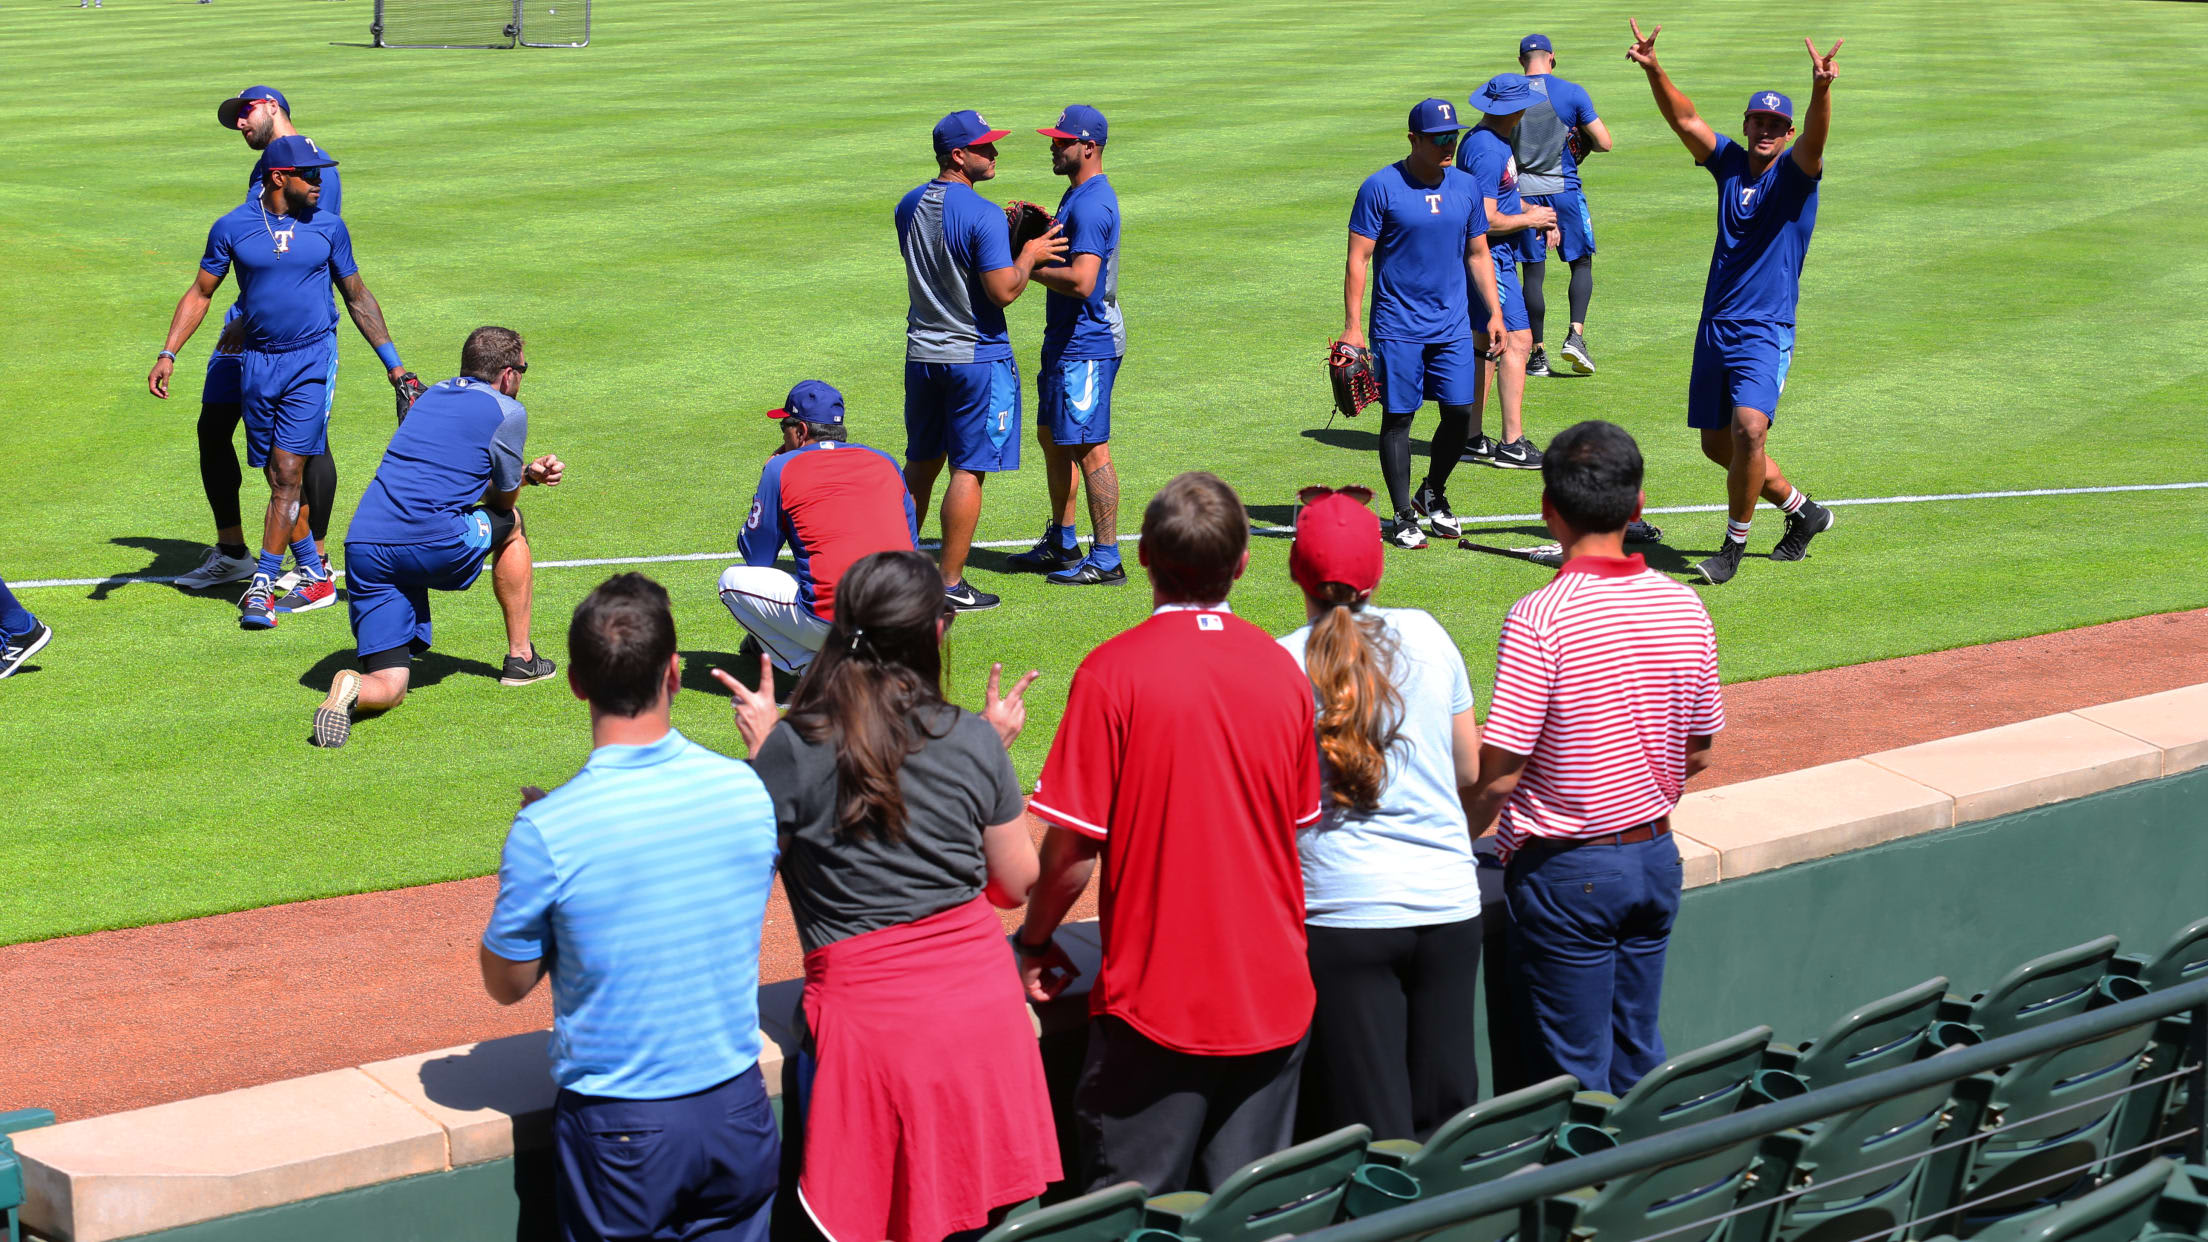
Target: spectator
x: 641, y: 884
x: 1186, y: 762
x: 1391, y: 890
x: 1606, y: 697
x: 926, y: 1112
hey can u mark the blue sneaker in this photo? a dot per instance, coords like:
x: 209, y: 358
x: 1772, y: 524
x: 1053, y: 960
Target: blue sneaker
x: 1045, y: 557
x: 257, y: 611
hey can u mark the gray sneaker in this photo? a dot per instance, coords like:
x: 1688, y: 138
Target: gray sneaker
x: 1575, y: 352
x: 215, y: 570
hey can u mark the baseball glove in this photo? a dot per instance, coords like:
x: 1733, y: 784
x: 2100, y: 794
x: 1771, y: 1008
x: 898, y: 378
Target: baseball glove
x: 1349, y: 370
x: 406, y: 388
x: 1581, y: 144
x: 1026, y: 222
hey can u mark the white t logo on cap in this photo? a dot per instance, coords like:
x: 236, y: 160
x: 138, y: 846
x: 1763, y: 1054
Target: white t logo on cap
x: 1446, y: 114
x: 1770, y: 101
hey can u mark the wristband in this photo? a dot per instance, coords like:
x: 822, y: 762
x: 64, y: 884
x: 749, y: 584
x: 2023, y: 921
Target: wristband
x: 166, y: 354
x: 388, y: 355
x: 1024, y: 949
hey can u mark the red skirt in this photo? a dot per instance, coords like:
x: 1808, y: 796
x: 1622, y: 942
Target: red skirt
x: 927, y: 1107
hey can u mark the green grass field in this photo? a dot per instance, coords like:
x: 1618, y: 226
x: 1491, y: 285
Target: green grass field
x: 2007, y: 290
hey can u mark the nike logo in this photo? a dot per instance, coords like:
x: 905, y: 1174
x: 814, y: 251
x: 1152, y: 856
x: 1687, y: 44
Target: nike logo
x: 1087, y: 400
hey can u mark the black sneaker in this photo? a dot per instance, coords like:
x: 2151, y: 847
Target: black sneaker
x: 1538, y: 365
x: 1719, y: 570
x: 1435, y: 506
x: 1045, y: 557
x: 1089, y: 573
x: 520, y: 672
x: 1519, y: 454
x: 1638, y: 531
x: 16, y: 650
x: 1575, y: 352
x: 1802, y: 525
x: 1479, y: 450
x: 1406, y: 534
x: 963, y: 598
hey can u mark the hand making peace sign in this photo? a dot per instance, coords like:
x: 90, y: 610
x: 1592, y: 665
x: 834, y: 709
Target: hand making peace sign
x: 1643, y: 51
x: 1821, y: 69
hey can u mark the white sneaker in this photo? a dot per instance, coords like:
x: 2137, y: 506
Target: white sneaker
x: 1406, y: 534
x: 217, y: 570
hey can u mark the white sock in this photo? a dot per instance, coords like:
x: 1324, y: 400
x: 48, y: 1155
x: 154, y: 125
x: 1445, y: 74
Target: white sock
x: 1794, y: 501
x: 1736, y: 532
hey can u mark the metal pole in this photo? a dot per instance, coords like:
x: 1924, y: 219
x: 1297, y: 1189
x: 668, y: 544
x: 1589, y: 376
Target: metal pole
x: 2196, y: 1099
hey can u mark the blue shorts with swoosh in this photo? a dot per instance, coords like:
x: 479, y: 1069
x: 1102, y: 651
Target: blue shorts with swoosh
x: 1077, y: 399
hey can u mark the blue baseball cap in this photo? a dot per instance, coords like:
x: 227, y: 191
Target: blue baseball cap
x: 228, y: 110
x: 1771, y: 102
x: 964, y: 129
x: 297, y: 151
x: 812, y: 402
x: 1080, y: 122
x: 1434, y: 116
x: 1504, y: 94
x: 1535, y: 43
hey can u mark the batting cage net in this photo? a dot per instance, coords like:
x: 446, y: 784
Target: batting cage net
x: 554, y: 23
x: 481, y: 23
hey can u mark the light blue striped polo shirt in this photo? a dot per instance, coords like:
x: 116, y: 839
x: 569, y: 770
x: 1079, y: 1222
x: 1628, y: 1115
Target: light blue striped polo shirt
x: 645, y: 878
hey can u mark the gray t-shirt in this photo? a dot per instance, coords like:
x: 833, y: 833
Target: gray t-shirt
x: 956, y: 786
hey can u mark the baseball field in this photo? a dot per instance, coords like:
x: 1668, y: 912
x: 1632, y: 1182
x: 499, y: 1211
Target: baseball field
x: 1998, y: 375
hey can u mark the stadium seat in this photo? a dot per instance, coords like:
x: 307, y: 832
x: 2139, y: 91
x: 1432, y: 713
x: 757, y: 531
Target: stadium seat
x: 1491, y: 1139
x: 2155, y: 1202
x: 1710, y: 1081
x: 1108, y: 1215
x: 2158, y: 1108
x: 11, y: 1170
x: 1294, y: 1190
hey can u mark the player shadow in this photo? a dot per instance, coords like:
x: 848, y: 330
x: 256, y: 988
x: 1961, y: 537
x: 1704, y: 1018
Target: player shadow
x: 429, y: 668
x: 698, y: 666
x: 1362, y: 441
x: 171, y: 558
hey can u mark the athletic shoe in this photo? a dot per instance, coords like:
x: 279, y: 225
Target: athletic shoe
x: 1435, y: 507
x: 215, y: 570
x: 1638, y: 531
x: 1045, y: 557
x: 1406, y: 534
x: 963, y: 598
x: 1479, y: 450
x: 1538, y: 364
x: 1575, y: 352
x: 16, y: 650
x: 520, y: 672
x: 1519, y: 454
x: 1719, y: 570
x: 333, y: 721
x: 1548, y: 555
x: 309, y: 595
x: 1089, y: 573
x: 257, y: 610
x: 1802, y: 525
x: 287, y: 581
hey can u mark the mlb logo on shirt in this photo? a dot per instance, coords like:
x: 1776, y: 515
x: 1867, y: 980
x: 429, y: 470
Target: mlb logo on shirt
x: 1209, y: 621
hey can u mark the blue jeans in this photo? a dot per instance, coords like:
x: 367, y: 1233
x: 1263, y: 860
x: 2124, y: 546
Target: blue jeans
x: 1587, y: 932
x: 689, y: 1169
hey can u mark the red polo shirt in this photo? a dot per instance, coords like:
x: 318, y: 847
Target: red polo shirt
x: 1187, y: 749
x: 1600, y: 679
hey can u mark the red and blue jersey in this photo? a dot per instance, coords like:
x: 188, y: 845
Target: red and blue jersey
x: 833, y: 503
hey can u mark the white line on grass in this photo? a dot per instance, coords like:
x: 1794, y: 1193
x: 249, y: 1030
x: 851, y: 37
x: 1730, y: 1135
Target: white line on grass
x: 1276, y: 531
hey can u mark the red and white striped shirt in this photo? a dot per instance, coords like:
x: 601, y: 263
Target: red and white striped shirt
x: 1600, y: 679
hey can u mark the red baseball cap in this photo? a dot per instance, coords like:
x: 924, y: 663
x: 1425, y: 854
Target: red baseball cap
x: 1337, y: 540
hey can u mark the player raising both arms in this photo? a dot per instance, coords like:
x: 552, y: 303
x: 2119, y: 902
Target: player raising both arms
x: 1766, y: 211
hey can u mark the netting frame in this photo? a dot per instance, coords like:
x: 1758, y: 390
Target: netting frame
x: 521, y: 27
x: 512, y: 33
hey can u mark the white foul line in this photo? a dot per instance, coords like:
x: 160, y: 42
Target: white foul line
x: 1275, y: 531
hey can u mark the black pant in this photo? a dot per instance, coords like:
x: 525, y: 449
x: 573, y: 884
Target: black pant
x: 1391, y: 1043
x: 1177, y: 1120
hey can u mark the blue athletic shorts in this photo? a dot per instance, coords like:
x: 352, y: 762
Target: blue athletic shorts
x: 224, y: 372
x: 702, y: 1167
x: 1076, y: 399
x: 1736, y: 363
x: 387, y: 585
x: 1572, y: 221
x: 1515, y: 318
x: 1414, y: 372
x: 969, y: 410
x: 287, y: 400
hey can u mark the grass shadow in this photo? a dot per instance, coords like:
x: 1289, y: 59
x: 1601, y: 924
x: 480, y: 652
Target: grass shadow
x: 428, y: 669
x: 698, y: 666
x: 171, y: 558
x: 1362, y: 441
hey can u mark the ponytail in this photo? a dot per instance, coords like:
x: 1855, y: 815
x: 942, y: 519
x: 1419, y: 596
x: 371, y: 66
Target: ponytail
x: 1351, y: 659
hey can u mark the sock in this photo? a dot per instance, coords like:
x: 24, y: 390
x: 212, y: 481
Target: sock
x: 309, y: 560
x: 1736, y: 532
x: 1793, y: 502
x: 1104, y: 555
x: 15, y: 619
x: 1062, y: 537
x: 270, y: 566
x: 235, y: 551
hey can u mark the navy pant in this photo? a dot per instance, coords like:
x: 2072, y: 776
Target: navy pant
x: 687, y: 1169
x: 1588, y: 929
x: 15, y: 619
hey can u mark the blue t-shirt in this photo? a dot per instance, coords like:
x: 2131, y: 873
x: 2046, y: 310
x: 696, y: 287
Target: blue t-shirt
x: 1090, y: 327
x: 1487, y: 157
x: 1542, y: 140
x: 287, y: 269
x: 1763, y: 228
x: 1420, y: 233
x: 950, y: 236
x: 462, y: 438
x: 223, y: 371
x: 644, y: 879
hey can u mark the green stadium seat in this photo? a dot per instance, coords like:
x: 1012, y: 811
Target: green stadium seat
x: 2155, y: 1202
x: 1491, y: 1139
x: 1710, y: 1081
x: 1294, y: 1190
x: 11, y: 1169
x: 1108, y: 1215
x: 2159, y: 1109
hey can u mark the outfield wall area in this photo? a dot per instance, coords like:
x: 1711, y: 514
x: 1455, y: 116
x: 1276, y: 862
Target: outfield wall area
x: 1809, y: 892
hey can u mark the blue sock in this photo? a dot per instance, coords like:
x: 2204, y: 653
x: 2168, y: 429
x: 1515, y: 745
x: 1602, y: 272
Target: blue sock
x: 1104, y: 555
x: 310, y: 561
x: 15, y: 619
x: 1062, y: 536
x: 270, y: 566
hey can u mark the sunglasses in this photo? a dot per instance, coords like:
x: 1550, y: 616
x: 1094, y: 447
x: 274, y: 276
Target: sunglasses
x: 1443, y: 140
x: 1357, y: 492
x: 312, y: 176
x: 519, y: 368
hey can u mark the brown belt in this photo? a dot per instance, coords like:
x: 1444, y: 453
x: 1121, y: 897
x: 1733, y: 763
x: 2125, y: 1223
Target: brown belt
x: 1629, y: 836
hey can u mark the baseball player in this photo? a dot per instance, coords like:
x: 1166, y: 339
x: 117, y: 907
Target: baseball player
x: 1419, y: 227
x: 288, y: 255
x: 1555, y: 133
x: 1486, y: 155
x: 962, y: 392
x: 1766, y: 211
x: 261, y: 115
x: 1084, y: 338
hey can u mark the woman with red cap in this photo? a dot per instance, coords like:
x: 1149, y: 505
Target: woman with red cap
x: 1391, y: 889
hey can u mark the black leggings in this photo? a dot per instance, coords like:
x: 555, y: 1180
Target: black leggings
x: 1391, y: 1040
x: 221, y: 476
x: 1442, y: 454
x: 1581, y: 292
